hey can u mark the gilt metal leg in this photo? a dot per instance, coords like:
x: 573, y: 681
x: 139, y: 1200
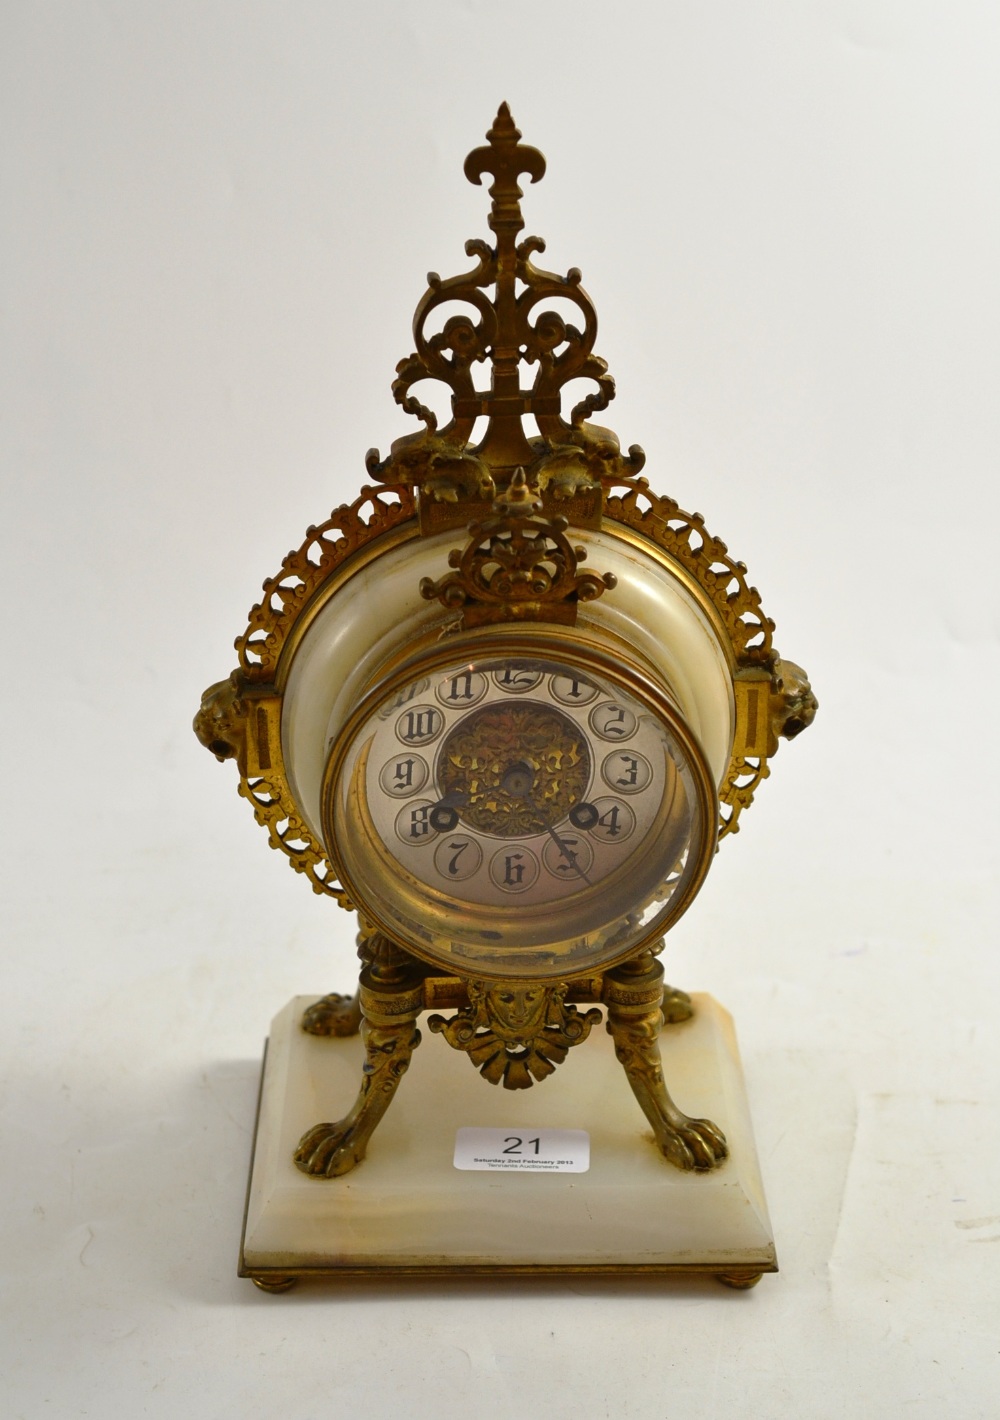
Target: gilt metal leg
x: 633, y: 994
x: 391, y: 999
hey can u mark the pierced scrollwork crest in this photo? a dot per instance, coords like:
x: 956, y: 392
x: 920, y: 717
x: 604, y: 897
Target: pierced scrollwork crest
x: 518, y: 565
x: 572, y: 456
x: 516, y: 1033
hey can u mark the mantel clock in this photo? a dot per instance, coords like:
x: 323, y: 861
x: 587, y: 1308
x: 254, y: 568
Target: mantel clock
x: 504, y: 706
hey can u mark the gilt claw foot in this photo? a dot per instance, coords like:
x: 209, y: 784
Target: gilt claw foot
x: 695, y: 1144
x: 329, y: 1150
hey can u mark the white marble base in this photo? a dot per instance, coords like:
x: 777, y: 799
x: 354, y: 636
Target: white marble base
x: 407, y: 1209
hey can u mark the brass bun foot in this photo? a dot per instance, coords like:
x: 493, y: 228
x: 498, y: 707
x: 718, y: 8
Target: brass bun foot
x: 274, y: 1284
x: 742, y: 1281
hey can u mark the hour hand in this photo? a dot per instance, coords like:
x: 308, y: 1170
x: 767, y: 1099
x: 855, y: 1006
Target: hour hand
x: 583, y: 815
x: 443, y: 816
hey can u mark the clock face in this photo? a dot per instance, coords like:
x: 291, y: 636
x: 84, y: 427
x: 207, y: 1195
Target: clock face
x: 521, y: 814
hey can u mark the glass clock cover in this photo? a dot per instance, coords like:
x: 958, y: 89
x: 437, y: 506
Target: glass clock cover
x: 516, y: 815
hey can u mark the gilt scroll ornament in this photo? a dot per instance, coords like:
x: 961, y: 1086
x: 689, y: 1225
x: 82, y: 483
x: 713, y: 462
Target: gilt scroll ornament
x: 572, y: 457
x: 518, y: 565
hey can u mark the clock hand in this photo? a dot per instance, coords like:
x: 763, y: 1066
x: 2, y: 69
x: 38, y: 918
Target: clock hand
x: 568, y: 853
x: 518, y: 782
x: 583, y: 815
x: 442, y: 816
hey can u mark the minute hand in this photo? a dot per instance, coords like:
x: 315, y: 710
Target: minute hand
x: 568, y: 853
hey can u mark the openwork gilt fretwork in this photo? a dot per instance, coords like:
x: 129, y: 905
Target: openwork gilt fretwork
x: 687, y: 540
x: 375, y: 511
x: 237, y: 720
x: 572, y: 456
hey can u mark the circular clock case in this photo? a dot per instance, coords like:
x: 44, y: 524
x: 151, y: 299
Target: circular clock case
x: 652, y: 646
x: 370, y: 617
x: 520, y: 804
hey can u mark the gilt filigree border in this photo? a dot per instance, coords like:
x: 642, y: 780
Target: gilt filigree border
x: 737, y: 604
x: 737, y: 790
x: 684, y: 536
x: 375, y: 511
x: 271, y: 801
x: 257, y: 747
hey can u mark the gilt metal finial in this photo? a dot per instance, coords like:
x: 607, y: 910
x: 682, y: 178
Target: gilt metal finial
x: 506, y: 159
x: 571, y: 460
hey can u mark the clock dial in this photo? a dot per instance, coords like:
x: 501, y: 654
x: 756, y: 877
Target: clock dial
x: 521, y: 810
x: 513, y: 754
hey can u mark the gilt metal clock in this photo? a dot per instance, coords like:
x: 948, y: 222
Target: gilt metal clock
x: 504, y: 706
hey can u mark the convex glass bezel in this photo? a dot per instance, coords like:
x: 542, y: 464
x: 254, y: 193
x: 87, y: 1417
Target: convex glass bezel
x: 459, y: 937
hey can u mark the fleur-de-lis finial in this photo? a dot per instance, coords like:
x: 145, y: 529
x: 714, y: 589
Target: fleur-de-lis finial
x: 506, y: 159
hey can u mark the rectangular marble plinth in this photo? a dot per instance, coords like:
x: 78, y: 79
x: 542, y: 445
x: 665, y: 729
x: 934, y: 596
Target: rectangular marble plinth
x: 406, y: 1209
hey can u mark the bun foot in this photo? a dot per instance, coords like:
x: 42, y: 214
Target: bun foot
x: 273, y: 1284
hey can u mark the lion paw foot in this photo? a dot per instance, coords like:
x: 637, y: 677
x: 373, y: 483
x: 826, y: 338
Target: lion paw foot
x: 329, y: 1150
x: 333, y: 1015
x: 695, y: 1144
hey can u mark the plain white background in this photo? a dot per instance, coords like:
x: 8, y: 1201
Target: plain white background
x: 217, y: 220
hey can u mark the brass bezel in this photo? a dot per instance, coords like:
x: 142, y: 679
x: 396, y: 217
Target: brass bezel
x: 568, y: 646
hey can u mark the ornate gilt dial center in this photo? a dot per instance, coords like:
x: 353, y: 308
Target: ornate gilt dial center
x: 514, y: 770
